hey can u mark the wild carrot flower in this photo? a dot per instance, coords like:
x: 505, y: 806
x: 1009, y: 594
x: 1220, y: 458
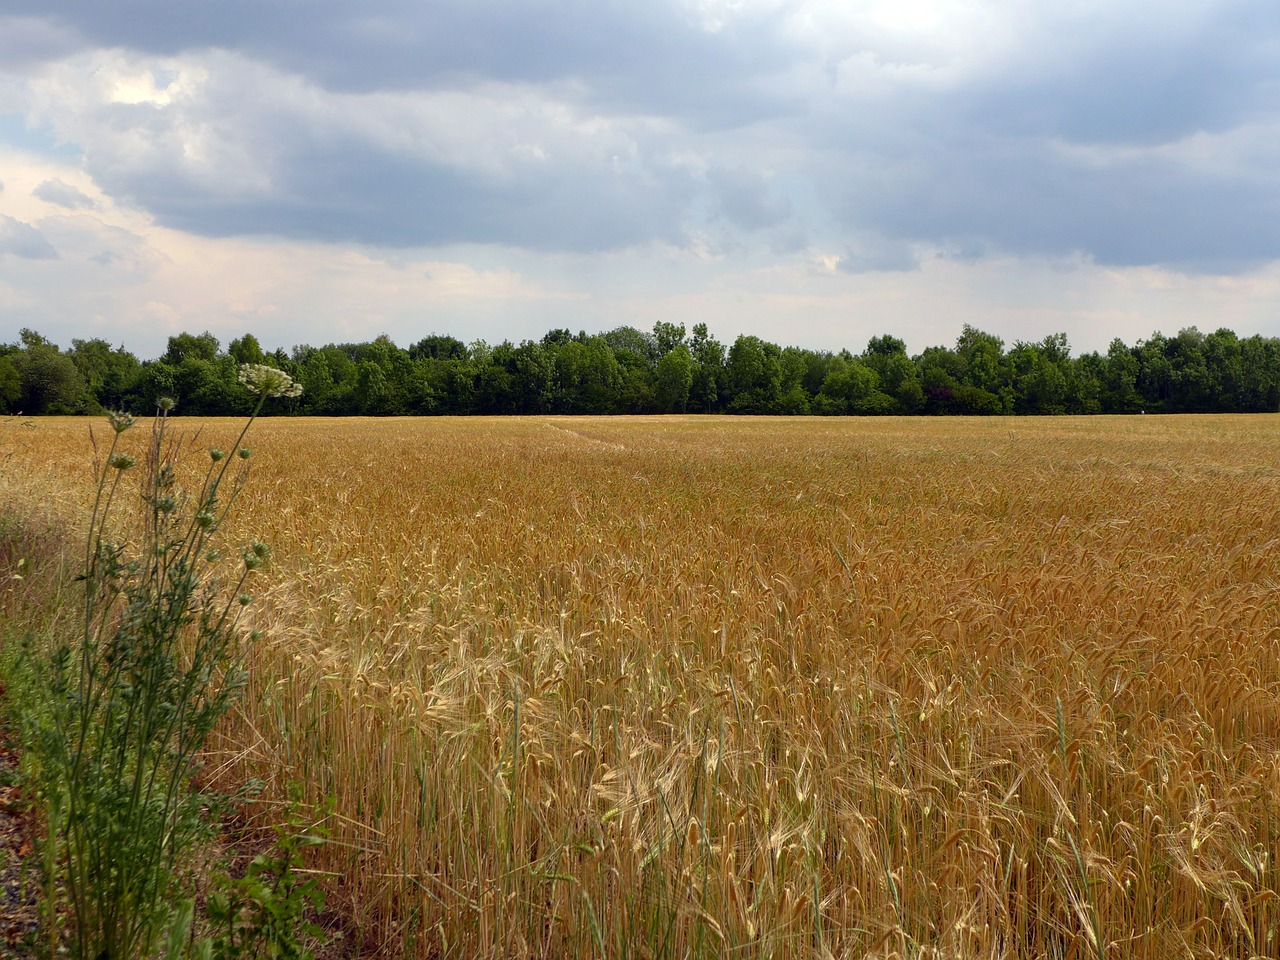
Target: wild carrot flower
x: 268, y: 381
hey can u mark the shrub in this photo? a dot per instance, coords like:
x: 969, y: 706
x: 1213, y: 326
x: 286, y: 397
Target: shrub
x: 117, y: 717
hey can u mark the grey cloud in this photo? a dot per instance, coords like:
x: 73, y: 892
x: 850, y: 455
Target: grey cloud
x: 1147, y: 83
x: 652, y: 55
x: 20, y: 239
x: 29, y: 40
x: 671, y: 123
x: 253, y: 151
x: 878, y: 254
x: 1026, y: 197
x: 743, y: 197
x: 63, y: 195
x: 1093, y: 153
x: 339, y: 190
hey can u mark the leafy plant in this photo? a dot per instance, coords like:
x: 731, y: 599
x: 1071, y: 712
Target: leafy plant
x: 120, y: 715
x: 263, y: 913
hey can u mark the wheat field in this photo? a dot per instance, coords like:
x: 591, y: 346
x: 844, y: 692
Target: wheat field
x: 684, y: 687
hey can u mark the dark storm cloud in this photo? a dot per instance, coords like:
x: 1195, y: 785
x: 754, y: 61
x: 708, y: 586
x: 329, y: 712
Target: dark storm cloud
x: 1135, y: 133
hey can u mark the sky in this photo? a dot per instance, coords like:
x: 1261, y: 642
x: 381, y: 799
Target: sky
x: 814, y: 172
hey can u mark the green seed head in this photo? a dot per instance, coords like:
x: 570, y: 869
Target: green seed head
x: 120, y: 421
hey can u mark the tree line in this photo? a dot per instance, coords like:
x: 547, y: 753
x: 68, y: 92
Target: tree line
x: 667, y: 370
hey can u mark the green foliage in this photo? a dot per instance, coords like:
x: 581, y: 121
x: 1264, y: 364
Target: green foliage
x: 116, y: 718
x: 110, y: 374
x: 674, y: 379
x: 753, y: 375
x: 264, y: 913
x: 49, y: 381
x: 10, y: 385
x: 184, y: 345
x: 246, y: 350
x: 667, y: 337
x: 628, y: 371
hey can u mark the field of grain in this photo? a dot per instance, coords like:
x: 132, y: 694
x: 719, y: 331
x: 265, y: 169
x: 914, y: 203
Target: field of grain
x: 680, y: 687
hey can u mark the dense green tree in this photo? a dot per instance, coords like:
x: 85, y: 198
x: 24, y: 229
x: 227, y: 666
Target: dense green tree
x: 675, y: 379
x: 1224, y: 368
x: 638, y: 391
x: 1120, y: 379
x: 202, y: 347
x: 207, y: 387
x: 753, y: 376
x: 853, y: 387
x: 438, y: 347
x: 109, y: 375
x: 10, y: 384
x: 667, y: 337
x: 707, y: 392
x: 1260, y: 375
x: 626, y: 371
x: 535, y: 378
x: 373, y: 390
x: 1190, y: 390
x: 898, y: 376
x: 626, y: 341
x: 940, y: 373
x: 982, y: 357
x: 1038, y: 380
x: 1084, y: 384
x: 316, y: 377
x: 587, y: 377
x: 246, y: 349
x: 49, y: 381
x: 558, y: 337
x: 1154, y: 381
x: 156, y: 379
x: 452, y: 384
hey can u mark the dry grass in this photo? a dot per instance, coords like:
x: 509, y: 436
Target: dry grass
x: 687, y: 686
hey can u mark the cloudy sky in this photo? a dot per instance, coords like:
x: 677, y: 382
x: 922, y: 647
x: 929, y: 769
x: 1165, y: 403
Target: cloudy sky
x: 812, y: 171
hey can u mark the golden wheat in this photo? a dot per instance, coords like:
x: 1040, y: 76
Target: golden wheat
x: 785, y: 688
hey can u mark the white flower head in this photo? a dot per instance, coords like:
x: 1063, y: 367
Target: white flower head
x: 268, y: 381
